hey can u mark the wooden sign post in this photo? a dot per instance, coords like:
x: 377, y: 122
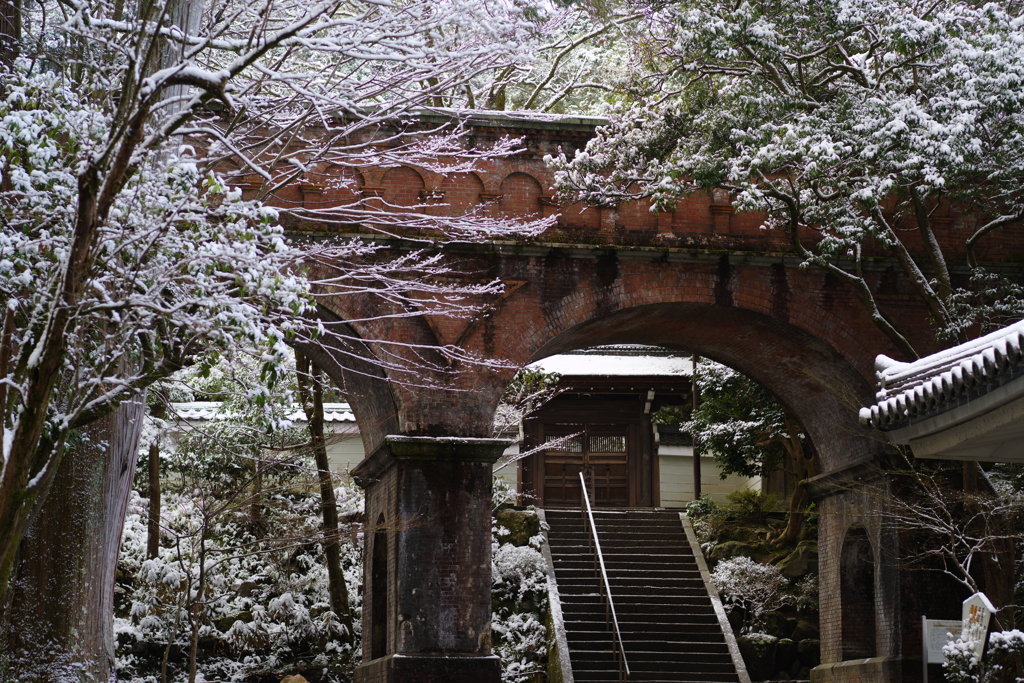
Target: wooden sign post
x: 977, y: 615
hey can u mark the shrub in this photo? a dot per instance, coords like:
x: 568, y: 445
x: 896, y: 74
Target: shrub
x: 520, y: 604
x: 1004, y: 660
x: 755, y: 588
x: 751, y: 505
x: 702, y: 507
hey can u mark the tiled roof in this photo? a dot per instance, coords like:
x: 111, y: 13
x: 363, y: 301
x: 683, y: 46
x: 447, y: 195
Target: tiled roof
x: 944, y: 380
x: 209, y: 410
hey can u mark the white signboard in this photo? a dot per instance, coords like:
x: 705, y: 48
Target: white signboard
x: 938, y: 632
x: 977, y: 614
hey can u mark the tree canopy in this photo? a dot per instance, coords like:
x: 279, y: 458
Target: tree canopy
x: 855, y: 126
x: 127, y: 249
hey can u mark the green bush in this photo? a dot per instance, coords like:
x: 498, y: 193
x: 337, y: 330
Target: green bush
x: 751, y: 505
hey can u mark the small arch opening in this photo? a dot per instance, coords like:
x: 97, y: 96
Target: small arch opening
x: 379, y: 592
x: 857, y: 579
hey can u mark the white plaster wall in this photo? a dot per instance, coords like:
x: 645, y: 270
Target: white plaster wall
x: 676, y: 476
x: 344, y: 448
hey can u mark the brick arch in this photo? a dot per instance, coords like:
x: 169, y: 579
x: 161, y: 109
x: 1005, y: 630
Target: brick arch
x: 462, y: 192
x: 403, y: 186
x: 520, y: 194
x: 814, y: 352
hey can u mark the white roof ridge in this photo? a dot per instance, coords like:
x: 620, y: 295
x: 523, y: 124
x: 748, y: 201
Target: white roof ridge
x: 337, y: 411
x: 907, y: 390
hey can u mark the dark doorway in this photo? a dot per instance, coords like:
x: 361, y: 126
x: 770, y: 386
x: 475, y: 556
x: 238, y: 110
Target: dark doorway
x: 857, y: 578
x: 379, y: 592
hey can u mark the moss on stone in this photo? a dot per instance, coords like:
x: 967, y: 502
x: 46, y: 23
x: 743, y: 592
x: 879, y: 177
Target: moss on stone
x: 522, y: 525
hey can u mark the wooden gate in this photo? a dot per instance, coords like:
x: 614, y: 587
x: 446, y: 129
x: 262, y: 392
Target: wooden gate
x: 600, y: 451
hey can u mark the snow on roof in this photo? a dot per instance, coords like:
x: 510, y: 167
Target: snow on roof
x: 930, y: 384
x: 625, y: 360
x: 209, y: 410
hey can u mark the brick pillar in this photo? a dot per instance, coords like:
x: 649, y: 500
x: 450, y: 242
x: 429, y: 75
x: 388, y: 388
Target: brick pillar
x: 429, y: 500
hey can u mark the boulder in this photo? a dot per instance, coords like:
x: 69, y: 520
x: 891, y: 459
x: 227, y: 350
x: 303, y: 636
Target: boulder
x: 785, y: 656
x: 809, y: 652
x: 803, y: 560
x: 730, y: 549
x: 519, y: 525
x: 758, y: 650
x: 245, y: 589
x: 294, y: 678
x: 804, y: 630
x: 776, y: 624
x: 224, y: 624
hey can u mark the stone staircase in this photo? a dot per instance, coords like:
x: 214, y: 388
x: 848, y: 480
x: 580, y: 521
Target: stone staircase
x: 669, y: 626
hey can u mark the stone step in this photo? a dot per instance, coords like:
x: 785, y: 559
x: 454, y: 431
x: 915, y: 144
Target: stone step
x: 627, y: 616
x: 668, y: 624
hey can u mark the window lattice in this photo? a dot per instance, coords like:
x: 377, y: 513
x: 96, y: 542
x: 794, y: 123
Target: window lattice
x: 573, y: 445
x: 608, y: 444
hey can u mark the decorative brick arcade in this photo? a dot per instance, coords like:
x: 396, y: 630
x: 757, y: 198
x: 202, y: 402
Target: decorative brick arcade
x: 699, y: 279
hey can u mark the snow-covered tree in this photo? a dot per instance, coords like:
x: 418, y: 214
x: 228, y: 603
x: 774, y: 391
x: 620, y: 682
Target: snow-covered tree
x: 127, y: 251
x: 578, y: 64
x: 855, y: 126
x: 749, y: 433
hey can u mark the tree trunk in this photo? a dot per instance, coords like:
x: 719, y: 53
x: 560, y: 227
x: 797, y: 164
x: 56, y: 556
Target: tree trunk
x: 60, y: 621
x: 10, y: 31
x: 803, y: 467
x: 312, y: 394
x: 158, y: 411
x: 195, y: 609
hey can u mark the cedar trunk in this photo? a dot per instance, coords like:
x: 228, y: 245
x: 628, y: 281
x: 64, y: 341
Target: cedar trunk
x: 159, y: 412
x: 311, y: 392
x: 59, y: 623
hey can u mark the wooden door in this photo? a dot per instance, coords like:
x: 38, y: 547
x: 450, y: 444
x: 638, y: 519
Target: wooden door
x: 599, y: 452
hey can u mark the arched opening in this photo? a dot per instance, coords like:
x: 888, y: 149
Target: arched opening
x: 806, y: 374
x: 857, y: 595
x: 379, y: 592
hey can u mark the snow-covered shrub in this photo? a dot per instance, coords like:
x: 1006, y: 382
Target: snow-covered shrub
x: 708, y: 521
x: 806, y: 594
x: 520, y: 604
x: 754, y: 587
x: 702, y: 507
x: 265, y: 605
x: 1004, y: 660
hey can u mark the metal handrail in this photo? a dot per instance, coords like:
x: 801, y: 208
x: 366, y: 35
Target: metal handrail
x: 609, y: 605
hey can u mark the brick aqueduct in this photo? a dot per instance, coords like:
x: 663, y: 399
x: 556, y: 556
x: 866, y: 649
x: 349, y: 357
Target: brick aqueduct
x: 701, y: 280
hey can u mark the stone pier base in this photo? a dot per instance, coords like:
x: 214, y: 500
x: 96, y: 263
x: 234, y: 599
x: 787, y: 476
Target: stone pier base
x: 430, y: 669
x: 427, y: 561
